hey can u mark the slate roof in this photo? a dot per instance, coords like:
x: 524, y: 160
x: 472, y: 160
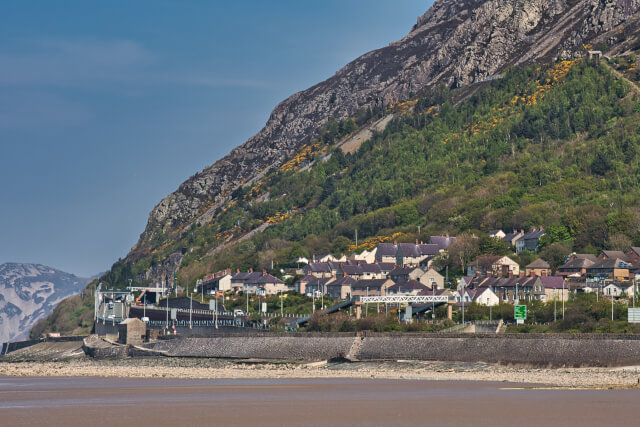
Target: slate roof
x: 408, y: 285
x: 607, y: 264
x: 535, y: 234
x: 510, y: 282
x: 590, y: 257
x: 615, y: 254
x: 552, y: 282
x: 401, y: 271
x: 353, y: 270
x: 539, y: 263
x: 246, y: 276
x: 371, y: 284
x: 386, y: 267
x: 346, y: 280
x: 320, y: 267
x: 510, y: 236
x: 371, y: 268
x: 577, y: 263
x: 264, y: 278
x: 309, y: 279
x: 387, y: 249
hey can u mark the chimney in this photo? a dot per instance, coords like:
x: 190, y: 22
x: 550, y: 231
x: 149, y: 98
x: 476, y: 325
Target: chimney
x: 510, y: 274
x: 522, y: 231
x: 489, y: 274
x: 521, y: 273
x: 264, y: 272
x: 237, y: 270
x: 515, y: 231
x: 395, y: 242
x: 532, y: 273
x: 251, y: 270
x: 544, y: 273
x: 477, y: 273
x: 446, y: 235
x: 416, y: 241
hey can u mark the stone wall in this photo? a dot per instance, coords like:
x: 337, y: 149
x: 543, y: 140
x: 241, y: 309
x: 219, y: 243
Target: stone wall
x: 521, y: 349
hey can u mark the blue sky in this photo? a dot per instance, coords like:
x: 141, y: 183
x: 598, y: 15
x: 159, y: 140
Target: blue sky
x: 106, y: 107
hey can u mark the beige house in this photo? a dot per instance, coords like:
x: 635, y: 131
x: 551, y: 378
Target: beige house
x: 432, y: 278
x: 539, y: 267
x: 496, y: 266
x: 374, y: 287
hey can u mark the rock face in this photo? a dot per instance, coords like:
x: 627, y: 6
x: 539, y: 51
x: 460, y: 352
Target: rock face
x: 455, y: 43
x: 28, y: 292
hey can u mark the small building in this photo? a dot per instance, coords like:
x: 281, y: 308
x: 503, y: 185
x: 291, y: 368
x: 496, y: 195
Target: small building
x: 408, y: 287
x: 132, y: 331
x: 539, y: 267
x: 529, y: 242
x: 618, y: 290
x: 555, y: 288
x: 613, y: 255
x: 633, y: 255
x: 615, y: 269
x: 375, y: 287
x: 497, y: 234
x: 493, y: 265
x: 576, y: 267
x: 432, y: 278
x: 483, y: 296
x: 402, y: 274
x: 512, y: 238
x: 340, y: 288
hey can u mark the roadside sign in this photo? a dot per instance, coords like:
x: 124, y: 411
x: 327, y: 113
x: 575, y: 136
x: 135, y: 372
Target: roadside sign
x: 520, y: 312
x: 633, y: 315
x: 174, y: 314
x: 264, y: 307
x: 212, y: 305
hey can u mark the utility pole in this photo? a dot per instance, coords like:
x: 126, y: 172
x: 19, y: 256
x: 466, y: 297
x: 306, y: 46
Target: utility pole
x: 563, y: 299
x: 356, y: 237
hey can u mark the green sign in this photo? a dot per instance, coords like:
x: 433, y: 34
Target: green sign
x: 520, y: 312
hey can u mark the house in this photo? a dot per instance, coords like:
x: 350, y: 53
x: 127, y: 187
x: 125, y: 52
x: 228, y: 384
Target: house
x: 529, y: 242
x: 401, y: 274
x: 220, y: 281
x: 494, y: 265
x: 539, y: 267
x: 618, y: 290
x: 372, y: 271
x: 325, y: 258
x: 265, y: 283
x: 374, y: 287
x: 497, y: 234
x: 555, y: 288
x: 321, y: 269
x: 526, y: 288
x: 300, y: 260
x: 310, y: 284
x: 385, y: 268
x: 240, y: 278
x: 386, y: 252
x: 410, y: 254
x: 432, y: 278
x: 615, y: 269
x: 484, y: 296
x: 407, y: 287
x: 512, y: 238
x: 633, y: 255
x: 576, y: 267
x: 613, y: 255
x: 340, y: 288
x: 367, y: 256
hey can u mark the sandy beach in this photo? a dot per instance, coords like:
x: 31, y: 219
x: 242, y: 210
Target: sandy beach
x: 182, y: 368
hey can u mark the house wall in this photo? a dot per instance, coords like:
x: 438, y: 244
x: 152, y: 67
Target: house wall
x: 431, y: 277
x: 557, y: 294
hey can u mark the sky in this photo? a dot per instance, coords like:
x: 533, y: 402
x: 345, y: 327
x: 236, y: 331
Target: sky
x: 106, y: 107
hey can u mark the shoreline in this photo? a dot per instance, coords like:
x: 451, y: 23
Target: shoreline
x: 181, y: 368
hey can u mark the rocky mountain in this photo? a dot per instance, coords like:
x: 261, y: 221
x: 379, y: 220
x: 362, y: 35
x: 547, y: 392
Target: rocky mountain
x: 29, y: 292
x: 455, y: 43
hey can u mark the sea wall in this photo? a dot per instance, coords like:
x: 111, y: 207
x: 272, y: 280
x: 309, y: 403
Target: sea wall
x: 259, y: 346
x: 521, y: 349
x: 518, y: 349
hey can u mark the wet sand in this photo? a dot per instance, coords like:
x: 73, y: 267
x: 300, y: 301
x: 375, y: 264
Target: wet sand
x: 72, y: 401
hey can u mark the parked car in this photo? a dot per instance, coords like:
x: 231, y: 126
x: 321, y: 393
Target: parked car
x: 237, y: 312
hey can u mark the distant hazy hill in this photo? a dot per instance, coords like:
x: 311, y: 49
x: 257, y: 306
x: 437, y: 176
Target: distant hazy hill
x: 29, y: 292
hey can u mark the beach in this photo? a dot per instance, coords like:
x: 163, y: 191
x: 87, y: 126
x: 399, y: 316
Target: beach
x: 190, y: 368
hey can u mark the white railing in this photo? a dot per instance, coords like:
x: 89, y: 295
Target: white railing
x: 400, y: 299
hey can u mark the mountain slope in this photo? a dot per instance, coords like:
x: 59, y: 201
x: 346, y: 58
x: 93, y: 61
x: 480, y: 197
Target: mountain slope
x: 455, y: 43
x: 29, y: 292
